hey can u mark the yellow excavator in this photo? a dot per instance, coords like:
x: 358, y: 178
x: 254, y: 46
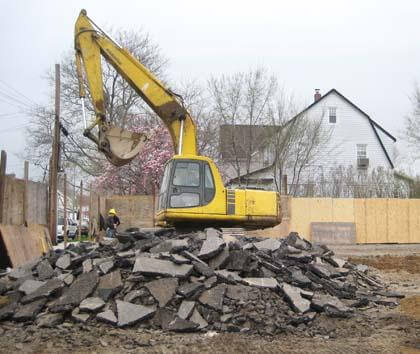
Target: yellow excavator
x: 192, y: 190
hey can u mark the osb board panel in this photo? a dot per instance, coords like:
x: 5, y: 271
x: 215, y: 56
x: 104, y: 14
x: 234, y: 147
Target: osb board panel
x: 342, y: 210
x: 133, y: 211
x: 398, y: 221
x: 414, y: 217
x: 360, y: 220
x: 41, y: 233
x: 22, y: 245
x: 13, y: 202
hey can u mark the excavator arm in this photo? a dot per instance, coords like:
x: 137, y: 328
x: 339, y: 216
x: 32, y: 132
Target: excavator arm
x: 121, y: 146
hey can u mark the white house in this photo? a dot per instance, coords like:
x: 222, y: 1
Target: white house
x: 355, y: 141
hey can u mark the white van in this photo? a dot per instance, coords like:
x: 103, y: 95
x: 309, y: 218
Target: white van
x: 71, y: 229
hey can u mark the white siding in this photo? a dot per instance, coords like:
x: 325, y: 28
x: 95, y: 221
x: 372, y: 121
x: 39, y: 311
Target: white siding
x: 351, y: 128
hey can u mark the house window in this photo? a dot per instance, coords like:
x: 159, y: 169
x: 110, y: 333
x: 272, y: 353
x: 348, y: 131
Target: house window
x: 361, y: 151
x: 362, y: 160
x: 332, y: 113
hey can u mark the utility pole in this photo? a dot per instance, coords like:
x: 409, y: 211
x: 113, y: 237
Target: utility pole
x: 2, y: 182
x: 54, y: 160
x: 80, y: 211
x: 65, y: 209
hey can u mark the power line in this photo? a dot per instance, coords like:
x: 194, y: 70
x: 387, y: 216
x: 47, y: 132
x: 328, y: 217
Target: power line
x: 18, y: 92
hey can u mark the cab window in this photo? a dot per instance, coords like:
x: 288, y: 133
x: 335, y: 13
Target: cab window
x: 187, y: 174
x: 208, y: 184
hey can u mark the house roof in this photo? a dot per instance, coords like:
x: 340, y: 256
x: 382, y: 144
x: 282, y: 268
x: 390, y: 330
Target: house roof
x: 248, y: 176
x: 373, y: 124
x: 235, y: 139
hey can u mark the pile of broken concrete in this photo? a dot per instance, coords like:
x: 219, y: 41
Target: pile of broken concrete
x: 161, y: 279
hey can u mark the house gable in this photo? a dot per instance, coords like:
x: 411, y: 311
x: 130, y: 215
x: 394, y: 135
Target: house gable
x: 383, y: 139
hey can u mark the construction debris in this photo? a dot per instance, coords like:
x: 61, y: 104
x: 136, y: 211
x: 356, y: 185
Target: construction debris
x: 190, y: 282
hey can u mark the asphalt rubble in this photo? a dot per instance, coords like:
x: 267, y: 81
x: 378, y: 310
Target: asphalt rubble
x: 199, y: 281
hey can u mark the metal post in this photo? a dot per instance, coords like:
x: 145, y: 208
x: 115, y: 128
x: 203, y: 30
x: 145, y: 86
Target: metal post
x: 181, y: 137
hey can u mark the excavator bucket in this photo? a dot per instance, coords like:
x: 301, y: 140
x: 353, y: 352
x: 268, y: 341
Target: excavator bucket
x: 124, y: 145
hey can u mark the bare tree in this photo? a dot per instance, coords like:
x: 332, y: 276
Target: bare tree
x: 298, y: 144
x: 123, y: 107
x: 240, y: 103
x: 411, y: 131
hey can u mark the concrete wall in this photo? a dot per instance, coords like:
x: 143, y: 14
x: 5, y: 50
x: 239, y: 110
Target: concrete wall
x: 13, y: 202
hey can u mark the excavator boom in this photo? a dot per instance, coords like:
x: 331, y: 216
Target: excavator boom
x: 121, y: 146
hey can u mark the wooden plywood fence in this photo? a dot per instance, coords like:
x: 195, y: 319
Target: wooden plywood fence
x: 37, y: 202
x: 133, y: 210
x: 377, y: 220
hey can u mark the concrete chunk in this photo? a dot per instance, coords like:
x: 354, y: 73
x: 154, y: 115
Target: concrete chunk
x: 237, y: 292
x: 51, y: 287
x: 79, y: 317
x: 203, y: 269
x: 28, y: 312
x: 185, y: 309
x: 163, y: 289
x: 197, y: 318
x: 50, y: 320
x: 82, y: 287
x: 320, y: 270
x: 87, y: 266
x: 189, y: 289
x: 44, y: 270
x: 227, y: 276
x: 181, y: 325
x: 107, y: 316
x: 91, y: 304
x: 220, y: 260
x: 109, y: 285
x: 211, y: 247
x: 213, y: 297
x: 106, y: 266
x: 129, y: 314
x: 170, y: 246
x: 293, y: 296
x: 269, y: 244
x: 270, y: 283
x: 63, y: 262
x: 331, y: 305
x: 29, y: 286
x: 150, y: 266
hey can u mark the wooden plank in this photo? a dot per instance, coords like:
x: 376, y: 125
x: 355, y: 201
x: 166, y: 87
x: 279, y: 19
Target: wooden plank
x: 414, y: 220
x: 360, y: 220
x: 21, y: 244
x: 25, y: 192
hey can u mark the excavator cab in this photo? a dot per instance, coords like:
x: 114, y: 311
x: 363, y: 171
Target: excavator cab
x: 186, y: 183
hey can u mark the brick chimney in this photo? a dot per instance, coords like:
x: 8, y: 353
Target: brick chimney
x: 317, y: 95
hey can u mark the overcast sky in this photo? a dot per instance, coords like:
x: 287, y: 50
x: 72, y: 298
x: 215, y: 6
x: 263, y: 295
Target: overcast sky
x: 367, y: 50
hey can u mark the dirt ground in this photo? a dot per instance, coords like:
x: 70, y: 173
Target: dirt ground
x: 375, y: 330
